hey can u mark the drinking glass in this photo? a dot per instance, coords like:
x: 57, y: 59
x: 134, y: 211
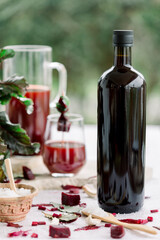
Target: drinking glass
x: 64, y: 152
x: 34, y: 62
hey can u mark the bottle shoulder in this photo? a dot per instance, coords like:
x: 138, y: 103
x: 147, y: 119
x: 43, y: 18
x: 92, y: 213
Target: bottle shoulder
x: 125, y: 76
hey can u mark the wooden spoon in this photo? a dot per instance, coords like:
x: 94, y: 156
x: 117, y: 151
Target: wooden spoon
x: 109, y: 218
x: 10, y: 175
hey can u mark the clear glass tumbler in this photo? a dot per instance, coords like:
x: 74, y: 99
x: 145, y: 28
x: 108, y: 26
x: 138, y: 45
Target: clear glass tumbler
x: 64, y: 152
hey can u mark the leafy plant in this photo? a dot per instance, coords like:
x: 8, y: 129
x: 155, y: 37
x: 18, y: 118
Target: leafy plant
x: 12, y: 137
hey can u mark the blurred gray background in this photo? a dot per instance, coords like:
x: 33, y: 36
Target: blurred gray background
x: 80, y: 33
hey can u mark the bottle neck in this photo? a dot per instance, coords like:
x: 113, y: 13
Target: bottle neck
x: 122, y: 56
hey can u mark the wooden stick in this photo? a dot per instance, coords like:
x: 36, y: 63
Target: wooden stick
x: 10, y: 174
x: 90, y: 192
x: 111, y: 219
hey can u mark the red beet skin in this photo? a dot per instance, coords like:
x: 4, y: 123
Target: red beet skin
x: 70, y: 199
x: 59, y: 231
x: 27, y: 173
x: 117, y: 231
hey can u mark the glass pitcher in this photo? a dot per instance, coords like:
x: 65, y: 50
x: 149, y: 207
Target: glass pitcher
x: 34, y: 62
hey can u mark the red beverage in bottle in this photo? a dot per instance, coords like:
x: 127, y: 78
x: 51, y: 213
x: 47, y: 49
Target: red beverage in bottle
x: 34, y: 123
x: 64, y: 156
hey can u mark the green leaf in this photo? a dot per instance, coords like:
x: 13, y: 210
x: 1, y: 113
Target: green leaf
x: 3, y: 147
x: 15, y: 137
x: 68, y: 217
x: 48, y: 215
x: 6, y: 53
x: 14, y: 87
x: 68, y: 209
x: 65, y: 217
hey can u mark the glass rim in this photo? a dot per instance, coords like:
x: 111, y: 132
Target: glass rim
x: 29, y: 48
x: 73, y: 117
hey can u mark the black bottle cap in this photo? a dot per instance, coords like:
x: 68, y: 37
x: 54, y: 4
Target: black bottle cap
x: 123, y: 38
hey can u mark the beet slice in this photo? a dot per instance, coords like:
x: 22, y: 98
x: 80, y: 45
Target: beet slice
x: 68, y: 187
x: 117, y: 231
x: 27, y: 173
x: 70, y: 199
x: 59, y: 231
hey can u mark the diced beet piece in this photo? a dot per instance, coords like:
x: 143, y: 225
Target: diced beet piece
x: 63, y: 124
x: 14, y: 225
x: 41, y: 223
x: 59, y: 231
x: 108, y: 225
x: 34, y: 235
x: 34, y: 223
x: 42, y: 208
x: 117, y: 231
x: 70, y: 199
x: 27, y: 173
x: 150, y: 219
x: 68, y: 187
x: 74, y: 190
x: 154, y: 210
x: 114, y: 214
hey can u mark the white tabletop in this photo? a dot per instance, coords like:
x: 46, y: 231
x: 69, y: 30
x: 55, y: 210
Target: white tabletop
x: 151, y: 189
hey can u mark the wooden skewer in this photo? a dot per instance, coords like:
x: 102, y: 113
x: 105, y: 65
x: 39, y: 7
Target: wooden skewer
x: 109, y: 218
x: 90, y: 192
x: 10, y: 175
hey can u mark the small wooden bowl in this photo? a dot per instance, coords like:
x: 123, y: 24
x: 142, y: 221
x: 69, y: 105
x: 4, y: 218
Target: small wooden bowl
x: 14, y: 209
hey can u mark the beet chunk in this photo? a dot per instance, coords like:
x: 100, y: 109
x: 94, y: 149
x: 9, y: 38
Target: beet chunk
x: 117, y: 231
x: 59, y: 231
x: 27, y: 173
x: 70, y: 199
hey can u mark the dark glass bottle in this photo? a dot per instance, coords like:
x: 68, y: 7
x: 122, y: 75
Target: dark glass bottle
x: 121, y: 131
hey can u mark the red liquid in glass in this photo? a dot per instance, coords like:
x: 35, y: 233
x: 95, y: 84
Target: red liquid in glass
x: 64, y: 157
x: 34, y: 123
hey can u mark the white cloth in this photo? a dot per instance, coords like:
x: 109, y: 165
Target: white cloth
x: 46, y: 196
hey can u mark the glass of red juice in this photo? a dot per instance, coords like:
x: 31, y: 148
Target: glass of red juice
x: 64, y: 152
x: 34, y: 62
